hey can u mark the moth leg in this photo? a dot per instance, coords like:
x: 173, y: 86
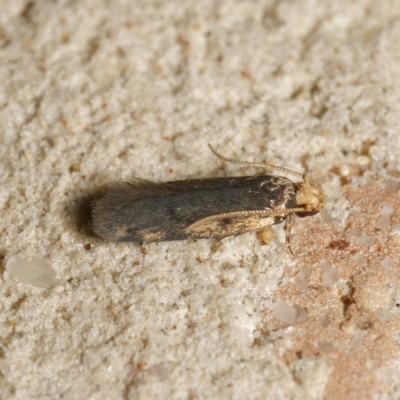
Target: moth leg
x: 146, y: 247
x: 288, y: 226
x: 222, y: 240
x: 229, y: 224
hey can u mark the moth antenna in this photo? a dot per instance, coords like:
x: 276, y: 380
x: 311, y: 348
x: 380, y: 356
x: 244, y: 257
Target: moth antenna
x: 257, y: 165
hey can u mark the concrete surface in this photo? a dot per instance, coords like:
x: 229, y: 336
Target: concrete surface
x: 93, y: 91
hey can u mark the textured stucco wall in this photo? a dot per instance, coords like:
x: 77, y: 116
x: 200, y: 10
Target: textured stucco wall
x: 93, y: 91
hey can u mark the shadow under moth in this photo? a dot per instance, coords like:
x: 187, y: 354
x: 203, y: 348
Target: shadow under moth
x: 141, y: 210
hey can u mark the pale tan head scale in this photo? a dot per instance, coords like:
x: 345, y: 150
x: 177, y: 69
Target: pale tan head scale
x: 309, y: 194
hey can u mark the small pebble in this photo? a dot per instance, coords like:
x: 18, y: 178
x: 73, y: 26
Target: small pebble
x: 35, y: 272
x: 329, y: 275
x: 324, y: 322
x: 301, y: 279
x: 289, y: 313
x: 366, y: 240
x: 359, y: 259
x: 338, y: 244
x: 387, y: 209
x: 383, y: 221
x: 355, y: 232
x: 387, y: 262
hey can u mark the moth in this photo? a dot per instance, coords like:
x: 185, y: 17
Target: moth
x: 141, y: 210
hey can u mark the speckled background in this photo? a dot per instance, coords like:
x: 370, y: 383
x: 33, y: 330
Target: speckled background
x: 94, y: 91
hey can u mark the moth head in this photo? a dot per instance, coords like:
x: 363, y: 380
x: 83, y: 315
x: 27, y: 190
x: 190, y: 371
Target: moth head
x: 309, y: 194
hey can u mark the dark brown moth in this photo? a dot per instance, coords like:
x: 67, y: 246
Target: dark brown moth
x: 145, y: 211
